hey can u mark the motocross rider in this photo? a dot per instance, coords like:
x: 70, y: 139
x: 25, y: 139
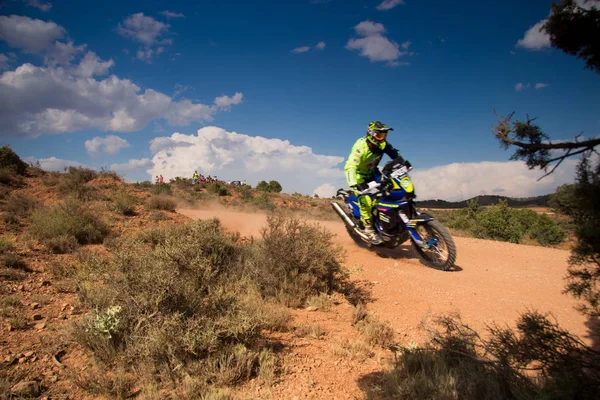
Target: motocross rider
x: 361, y: 168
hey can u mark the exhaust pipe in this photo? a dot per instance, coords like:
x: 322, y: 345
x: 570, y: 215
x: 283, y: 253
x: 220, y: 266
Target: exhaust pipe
x: 349, y: 223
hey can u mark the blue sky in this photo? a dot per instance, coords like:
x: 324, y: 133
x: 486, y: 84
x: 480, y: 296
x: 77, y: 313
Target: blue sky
x: 281, y: 90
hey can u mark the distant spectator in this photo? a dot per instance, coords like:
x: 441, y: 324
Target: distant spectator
x: 156, y: 179
x: 160, y: 179
x: 202, y: 178
x: 195, y: 178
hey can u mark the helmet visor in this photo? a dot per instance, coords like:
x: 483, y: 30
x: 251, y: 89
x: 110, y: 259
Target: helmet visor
x: 380, y: 135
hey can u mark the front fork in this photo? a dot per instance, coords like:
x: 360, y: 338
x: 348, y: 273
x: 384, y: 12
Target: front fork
x: 412, y: 227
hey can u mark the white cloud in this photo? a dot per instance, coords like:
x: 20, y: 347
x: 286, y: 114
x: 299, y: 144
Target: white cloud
x: 41, y: 100
x: 172, y: 14
x: 31, y: 35
x: 368, y: 28
x: 326, y: 190
x: 44, y: 6
x: 541, y: 85
x: 225, y: 102
x: 53, y: 163
x: 520, y: 86
x: 110, y: 144
x: 131, y: 165
x: 534, y: 39
x: 375, y: 45
x: 142, y: 28
x: 234, y: 156
x: 460, y: 181
x: 302, y: 49
x: 179, y: 89
x: 144, y: 54
x: 389, y: 4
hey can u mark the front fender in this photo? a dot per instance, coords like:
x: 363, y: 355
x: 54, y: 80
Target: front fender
x: 421, y: 219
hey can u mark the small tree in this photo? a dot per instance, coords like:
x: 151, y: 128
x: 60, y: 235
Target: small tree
x: 11, y: 161
x: 263, y: 186
x: 275, y: 187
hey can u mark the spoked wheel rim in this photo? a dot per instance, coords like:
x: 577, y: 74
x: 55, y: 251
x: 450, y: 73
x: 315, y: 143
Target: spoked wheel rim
x: 437, y: 252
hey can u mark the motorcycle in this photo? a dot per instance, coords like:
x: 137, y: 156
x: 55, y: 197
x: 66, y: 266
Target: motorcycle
x: 397, y: 218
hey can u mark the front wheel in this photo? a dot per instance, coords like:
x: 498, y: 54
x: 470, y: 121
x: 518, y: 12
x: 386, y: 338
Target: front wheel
x: 440, y: 252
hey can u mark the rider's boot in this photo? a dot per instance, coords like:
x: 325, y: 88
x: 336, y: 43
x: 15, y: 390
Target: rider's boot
x: 373, y: 235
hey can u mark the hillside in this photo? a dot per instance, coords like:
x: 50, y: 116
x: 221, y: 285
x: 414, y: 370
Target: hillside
x: 488, y: 200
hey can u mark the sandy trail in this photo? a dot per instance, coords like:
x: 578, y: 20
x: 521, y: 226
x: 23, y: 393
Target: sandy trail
x: 495, y: 281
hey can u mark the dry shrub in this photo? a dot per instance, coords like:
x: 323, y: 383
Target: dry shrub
x: 162, y: 203
x: 295, y: 260
x: 71, y: 218
x: 353, y: 349
x: 62, y: 244
x: 177, y: 297
x: 15, y: 261
x: 11, y: 309
x: 124, y: 203
x: 20, y: 204
x: 314, y: 331
x: 74, y: 183
x: 321, y: 302
x: 160, y: 189
x: 5, y: 245
x: 459, y: 364
x: 376, y: 332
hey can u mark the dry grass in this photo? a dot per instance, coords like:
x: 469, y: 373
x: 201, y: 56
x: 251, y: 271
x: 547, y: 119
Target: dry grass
x: 313, y: 331
x: 355, y: 349
x: 162, y: 203
x: 322, y: 302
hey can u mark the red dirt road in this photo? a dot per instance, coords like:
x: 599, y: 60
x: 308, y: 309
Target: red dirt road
x: 495, y: 281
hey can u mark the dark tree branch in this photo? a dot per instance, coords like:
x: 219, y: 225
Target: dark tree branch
x: 533, y: 146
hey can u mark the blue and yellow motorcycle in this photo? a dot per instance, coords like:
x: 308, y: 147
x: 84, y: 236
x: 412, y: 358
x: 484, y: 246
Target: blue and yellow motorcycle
x: 397, y: 218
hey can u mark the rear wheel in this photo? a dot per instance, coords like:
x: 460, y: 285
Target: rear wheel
x: 441, y: 251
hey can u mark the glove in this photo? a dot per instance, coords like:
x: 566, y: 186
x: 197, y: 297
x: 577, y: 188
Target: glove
x: 361, y: 187
x: 407, y: 164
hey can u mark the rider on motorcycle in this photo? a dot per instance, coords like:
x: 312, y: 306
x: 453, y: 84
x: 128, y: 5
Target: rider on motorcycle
x: 361, y: 168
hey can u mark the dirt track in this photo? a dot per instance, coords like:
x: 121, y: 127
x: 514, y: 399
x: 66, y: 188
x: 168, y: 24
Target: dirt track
x: 494, y: 281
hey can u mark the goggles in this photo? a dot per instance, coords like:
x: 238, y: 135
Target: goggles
x: 380, y: 135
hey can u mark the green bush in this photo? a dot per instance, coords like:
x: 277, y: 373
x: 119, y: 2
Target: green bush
x: 162, y: 203
x: 274, y: 187
x: 498, y: 223
x: 263, y: 186
x: 527, y: 218
x: 71, y: 218
x: 11, y: 162
x: 160, y: 189
x: 546, y: 231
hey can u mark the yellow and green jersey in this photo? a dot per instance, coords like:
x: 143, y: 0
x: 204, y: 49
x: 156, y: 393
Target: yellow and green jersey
x: 362, y: 161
